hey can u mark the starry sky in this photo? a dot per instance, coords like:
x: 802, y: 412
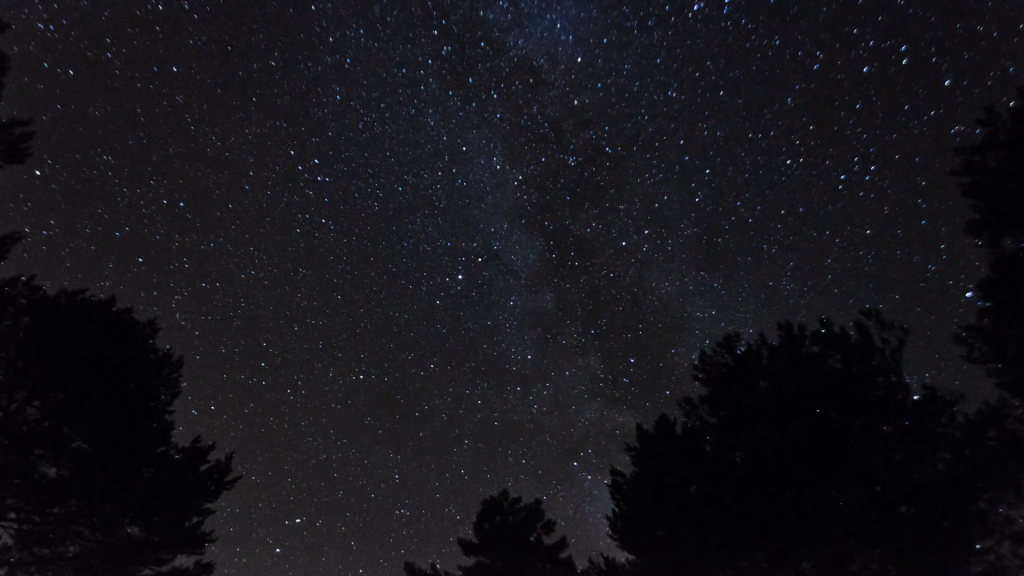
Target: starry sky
x: 414, y: 252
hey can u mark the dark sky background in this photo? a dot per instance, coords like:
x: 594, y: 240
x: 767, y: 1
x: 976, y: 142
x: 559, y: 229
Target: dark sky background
x: 413, y: 255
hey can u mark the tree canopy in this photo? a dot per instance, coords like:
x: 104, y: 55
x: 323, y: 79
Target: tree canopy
x: 991, y: 177
x: 94, y: 482
x: 510, y: 538
x: 809, y: 454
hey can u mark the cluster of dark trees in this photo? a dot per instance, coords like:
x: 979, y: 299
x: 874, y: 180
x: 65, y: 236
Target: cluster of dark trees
x: 811, y: 453
x: 92, y: 481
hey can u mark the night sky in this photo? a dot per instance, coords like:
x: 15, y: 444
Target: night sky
x: 413, y: 255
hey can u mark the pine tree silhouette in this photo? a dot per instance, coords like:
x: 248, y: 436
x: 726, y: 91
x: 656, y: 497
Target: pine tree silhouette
x: 510, y: 538
x: 93, y: 481
x: 810, y: 455
x: 991, y: 176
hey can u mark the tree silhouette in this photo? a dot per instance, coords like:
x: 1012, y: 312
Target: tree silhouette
x: 510, y: 538
x: 14, y: 139
x: 92, y: 480
x: 991, y: 176
x: 607, y: 566
x: 811, y: 455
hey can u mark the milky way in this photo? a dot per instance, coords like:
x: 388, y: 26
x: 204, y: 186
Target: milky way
x: 415, y: 254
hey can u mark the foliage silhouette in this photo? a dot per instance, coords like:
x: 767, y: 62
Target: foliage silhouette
x: 991, y: 176
x: 811, y: 455
x: 14, y: 139
x: 93, y: 481
x: 510, y: 538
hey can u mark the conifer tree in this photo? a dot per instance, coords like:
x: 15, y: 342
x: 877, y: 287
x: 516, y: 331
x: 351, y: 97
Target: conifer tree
x: 93, y: 480
x: 811, y: 454
x: 510, y: 538
x: 991, y: 177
